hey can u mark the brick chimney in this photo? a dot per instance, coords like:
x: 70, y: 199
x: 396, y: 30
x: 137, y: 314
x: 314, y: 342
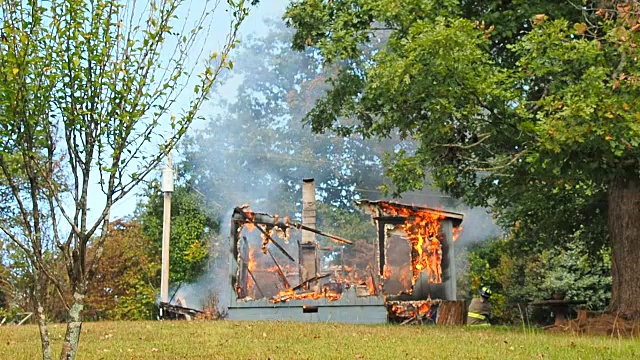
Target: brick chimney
x: 308, y: 246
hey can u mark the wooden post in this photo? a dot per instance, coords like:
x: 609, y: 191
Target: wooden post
x: 167, y: 189
x: 452, y: 313
x: 450, y: 285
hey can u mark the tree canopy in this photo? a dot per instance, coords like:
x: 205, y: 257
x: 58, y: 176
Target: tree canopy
x: 194, y: 223
x: 508, y: 103
x: 125, y: 288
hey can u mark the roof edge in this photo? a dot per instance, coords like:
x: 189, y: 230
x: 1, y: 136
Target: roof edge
x: 454, y: 216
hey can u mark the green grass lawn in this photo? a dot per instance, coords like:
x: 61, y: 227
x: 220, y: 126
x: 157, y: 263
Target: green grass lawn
x: 286, y: 340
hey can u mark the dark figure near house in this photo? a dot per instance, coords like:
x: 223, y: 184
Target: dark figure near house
x: 480, y: 309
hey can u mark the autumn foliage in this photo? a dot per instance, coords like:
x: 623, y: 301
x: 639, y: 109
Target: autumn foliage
x: 126, y: 285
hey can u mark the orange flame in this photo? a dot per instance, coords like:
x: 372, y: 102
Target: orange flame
x: 251, y: 265
x: 422, y: 228
x: 290, y: 294
x: 386, y: 273
x: 423, y: 308
x: 456, y: 233
x: 371, y: 286
x: 418, y: 309
x: 249, y: 225
x: 286, y: 269
x: 347, y: 277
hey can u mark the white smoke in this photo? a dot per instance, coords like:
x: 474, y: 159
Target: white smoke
x: 478, y: 225
x: 263, y: 190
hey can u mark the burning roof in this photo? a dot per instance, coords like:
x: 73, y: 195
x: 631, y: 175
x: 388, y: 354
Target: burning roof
x: 382, y: 207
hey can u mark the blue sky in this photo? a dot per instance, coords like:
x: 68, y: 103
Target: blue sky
x: 254, y: 24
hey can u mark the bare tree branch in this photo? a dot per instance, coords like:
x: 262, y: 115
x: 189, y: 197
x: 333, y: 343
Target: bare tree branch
x: 481, y: 139
x: 498, y: 167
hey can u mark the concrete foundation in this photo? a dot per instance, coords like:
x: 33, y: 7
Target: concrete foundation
x: 348, y: 309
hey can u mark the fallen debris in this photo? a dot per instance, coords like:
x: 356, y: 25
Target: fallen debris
x: 415, y: 312
x: 176, y: 312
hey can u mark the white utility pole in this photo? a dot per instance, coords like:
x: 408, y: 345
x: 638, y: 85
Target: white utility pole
x: 167, y: 189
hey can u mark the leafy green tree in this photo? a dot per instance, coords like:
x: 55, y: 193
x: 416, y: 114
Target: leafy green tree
x: 17, y: 282
x: 506, y: 110
x: 125, y: 287
x: 193, y: 225
x: 518, y: 277
x: 5, y: 285
x: 86, y: 93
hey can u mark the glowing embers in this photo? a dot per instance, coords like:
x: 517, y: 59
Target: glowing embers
x: 291, y: 294
x: 418, y: 311
x: 278, y: 280
x: 422, y: 230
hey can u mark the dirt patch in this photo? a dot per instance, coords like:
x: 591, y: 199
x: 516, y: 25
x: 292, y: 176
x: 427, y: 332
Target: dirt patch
x: 599, y: 324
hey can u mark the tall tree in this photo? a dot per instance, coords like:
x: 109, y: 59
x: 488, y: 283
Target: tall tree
x: 507, y: 104
x: 193, y: 226
x: 86, y: 91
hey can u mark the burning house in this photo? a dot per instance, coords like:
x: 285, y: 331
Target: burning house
x: 280, y: 274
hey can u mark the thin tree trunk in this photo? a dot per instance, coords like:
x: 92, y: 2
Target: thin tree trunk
x: 39, y: 298
x: 74, y: 326
x: 44, y: 333
x: 624, y: 233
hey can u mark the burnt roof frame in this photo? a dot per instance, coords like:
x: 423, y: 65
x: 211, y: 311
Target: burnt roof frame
x: 456, y: 218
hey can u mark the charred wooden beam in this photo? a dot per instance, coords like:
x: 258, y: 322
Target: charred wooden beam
x: 321, y: 233
x: 255, y: 282
x: 284, y: 277
x: 239, y: 218
x: 302, y: 284
x: 169, y: 311
x: 248, y: 219
x: 382, y: 222
x: 243, y: 269
x: 282, y: 250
